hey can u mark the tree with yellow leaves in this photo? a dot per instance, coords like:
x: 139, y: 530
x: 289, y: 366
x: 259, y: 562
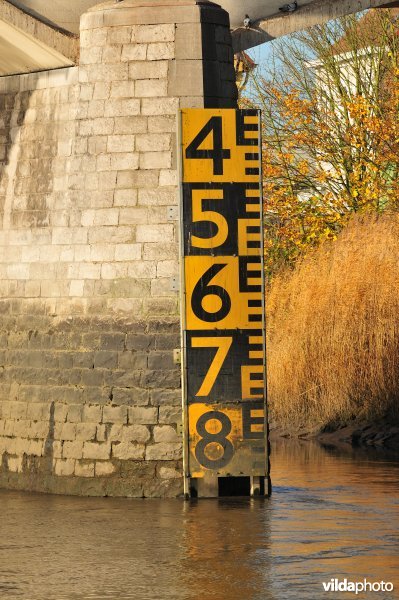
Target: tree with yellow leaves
x: 330, y: 105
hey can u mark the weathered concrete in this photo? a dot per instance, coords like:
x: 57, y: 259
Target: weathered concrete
x: 27, y: 44
x: 90, y: 398
x: 267, y: 22
x: 58, y: 12
x: 308, y: 14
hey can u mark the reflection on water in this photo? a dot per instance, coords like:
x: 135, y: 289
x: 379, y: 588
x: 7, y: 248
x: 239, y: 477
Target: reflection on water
x: 330, y: 515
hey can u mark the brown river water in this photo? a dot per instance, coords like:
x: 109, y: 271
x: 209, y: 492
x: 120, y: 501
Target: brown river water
x: 332, y: 514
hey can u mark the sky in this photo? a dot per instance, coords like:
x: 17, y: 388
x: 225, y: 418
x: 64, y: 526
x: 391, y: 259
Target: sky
x: 261, y: 53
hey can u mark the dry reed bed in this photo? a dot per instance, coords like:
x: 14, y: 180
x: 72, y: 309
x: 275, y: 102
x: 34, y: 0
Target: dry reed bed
x: 333, y: 329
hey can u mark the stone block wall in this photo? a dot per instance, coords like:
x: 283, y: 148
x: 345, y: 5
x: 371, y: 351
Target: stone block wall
x: 90, y: 398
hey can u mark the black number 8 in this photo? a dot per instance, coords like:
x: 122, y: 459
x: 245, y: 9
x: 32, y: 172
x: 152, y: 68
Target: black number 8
x: 219, y: 438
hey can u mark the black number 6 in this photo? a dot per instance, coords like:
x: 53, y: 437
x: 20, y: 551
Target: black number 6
x: 203, y: 289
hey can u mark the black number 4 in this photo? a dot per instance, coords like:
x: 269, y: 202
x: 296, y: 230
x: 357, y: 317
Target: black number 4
x: 218, y: 153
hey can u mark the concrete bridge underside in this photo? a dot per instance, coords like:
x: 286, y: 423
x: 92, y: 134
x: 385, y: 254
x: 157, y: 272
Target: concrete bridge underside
x: 37, y: 35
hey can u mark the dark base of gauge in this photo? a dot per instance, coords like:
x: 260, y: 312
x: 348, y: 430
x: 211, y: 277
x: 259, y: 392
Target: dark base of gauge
x: 212, y: 486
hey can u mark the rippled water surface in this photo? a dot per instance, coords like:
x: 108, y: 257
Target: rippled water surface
x: 332, y: 514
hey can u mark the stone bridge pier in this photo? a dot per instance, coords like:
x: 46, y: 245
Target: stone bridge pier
x: 90, y: 398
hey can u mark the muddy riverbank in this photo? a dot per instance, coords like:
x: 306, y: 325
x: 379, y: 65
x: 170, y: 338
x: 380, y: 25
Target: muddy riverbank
x: 383, y: 433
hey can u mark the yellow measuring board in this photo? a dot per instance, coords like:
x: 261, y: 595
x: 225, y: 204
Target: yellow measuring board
x: 223, y: 294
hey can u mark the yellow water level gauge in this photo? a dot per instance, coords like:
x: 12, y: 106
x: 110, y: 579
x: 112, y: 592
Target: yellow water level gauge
x: 223, y: 322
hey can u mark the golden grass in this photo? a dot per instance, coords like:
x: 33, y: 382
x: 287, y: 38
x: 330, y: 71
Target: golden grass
x: 333, y: 329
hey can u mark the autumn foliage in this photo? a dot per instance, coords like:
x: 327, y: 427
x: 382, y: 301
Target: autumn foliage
x: 330, y: 106
x: 330, y: 109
